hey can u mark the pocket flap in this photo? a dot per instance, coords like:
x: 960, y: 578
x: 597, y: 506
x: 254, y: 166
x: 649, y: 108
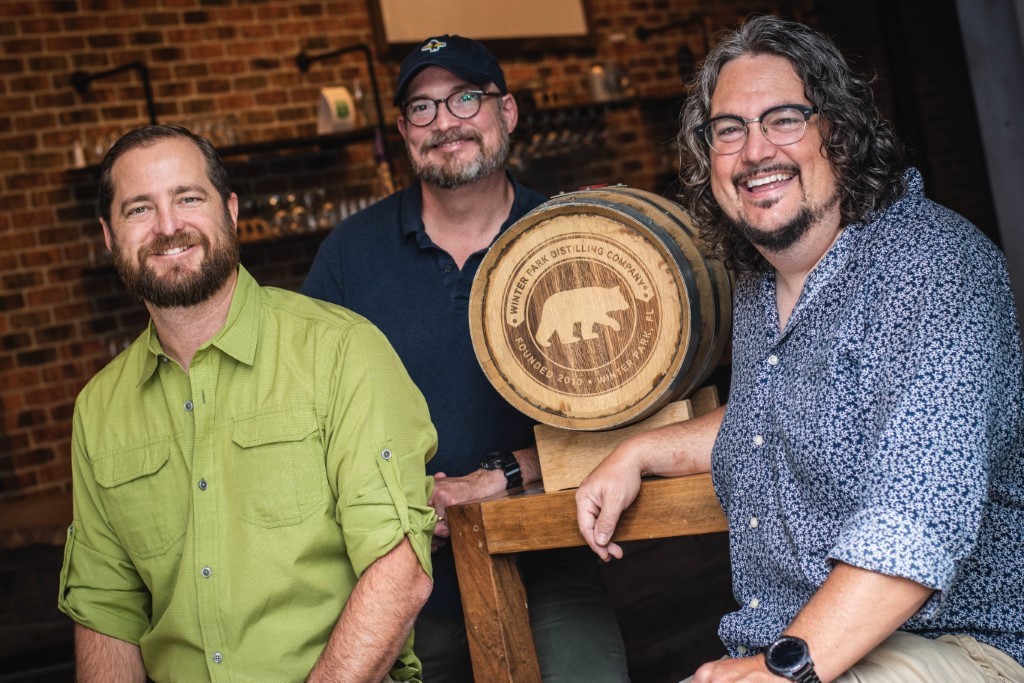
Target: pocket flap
x: 278, y: 427
x: 115, y: 469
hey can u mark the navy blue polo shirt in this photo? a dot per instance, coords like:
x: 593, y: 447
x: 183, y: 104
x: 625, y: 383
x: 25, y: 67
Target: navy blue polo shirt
x: 381, y: 264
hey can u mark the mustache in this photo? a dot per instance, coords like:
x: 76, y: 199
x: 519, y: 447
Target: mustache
x: 744, y: 176
x: 446, y: 136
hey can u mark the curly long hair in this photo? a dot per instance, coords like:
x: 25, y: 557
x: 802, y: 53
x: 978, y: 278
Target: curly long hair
x: 865, y: 154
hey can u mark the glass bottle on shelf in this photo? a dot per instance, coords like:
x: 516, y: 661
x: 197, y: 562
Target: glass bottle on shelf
x: 364, y: 111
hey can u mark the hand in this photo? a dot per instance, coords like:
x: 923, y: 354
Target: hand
x: 454, y: 490
x: 747, y: 669
x: 601, y: 498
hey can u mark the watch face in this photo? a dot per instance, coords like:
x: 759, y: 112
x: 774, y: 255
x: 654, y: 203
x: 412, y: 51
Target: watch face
x: 497, y: 460
x: 788, y: 654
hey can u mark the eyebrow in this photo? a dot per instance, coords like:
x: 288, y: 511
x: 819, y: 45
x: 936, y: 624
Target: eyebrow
x: 175, y: 191
x: 454, y: 89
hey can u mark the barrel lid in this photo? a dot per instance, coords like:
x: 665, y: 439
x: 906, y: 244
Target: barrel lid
x: 585, y: 313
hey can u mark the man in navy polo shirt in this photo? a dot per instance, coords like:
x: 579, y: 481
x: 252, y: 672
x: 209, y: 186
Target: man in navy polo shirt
x: 407, y: 263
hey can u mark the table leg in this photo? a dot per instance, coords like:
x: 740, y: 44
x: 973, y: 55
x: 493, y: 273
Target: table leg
x: 494, y: 603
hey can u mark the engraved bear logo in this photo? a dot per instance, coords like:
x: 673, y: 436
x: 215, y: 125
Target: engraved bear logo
x: 587, y: 306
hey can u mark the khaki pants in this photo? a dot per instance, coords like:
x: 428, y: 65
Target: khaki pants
x: 908, y: 658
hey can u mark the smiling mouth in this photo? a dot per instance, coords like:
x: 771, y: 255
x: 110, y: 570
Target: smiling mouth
x: 174, y: 245
x: 765, y: 178
x: 755, y: 183
x: 451, y: 143
x: 172, y: 252
x: 444, y: 141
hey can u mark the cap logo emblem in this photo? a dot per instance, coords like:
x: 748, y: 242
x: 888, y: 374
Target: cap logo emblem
x: 433, y: 46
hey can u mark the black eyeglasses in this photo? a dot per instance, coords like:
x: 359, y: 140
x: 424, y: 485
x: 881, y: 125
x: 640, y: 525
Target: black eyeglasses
x: 781, y: 125
x: 464, y: 104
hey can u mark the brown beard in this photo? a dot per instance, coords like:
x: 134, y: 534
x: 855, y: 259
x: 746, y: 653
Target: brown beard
x: 179, y: 287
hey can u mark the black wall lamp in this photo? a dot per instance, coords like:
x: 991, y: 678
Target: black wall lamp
x: 81, y: 81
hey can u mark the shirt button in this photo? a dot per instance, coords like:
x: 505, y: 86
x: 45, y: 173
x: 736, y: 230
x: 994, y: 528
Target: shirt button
x: 202, y: 484
x: 207, y: 572
x: 773, y: 359
x: 742, y: 649
x: 217, y: 658
x: 188, y: 406
x: 753, y: 522
x: 386, y: 454
x: 447, y: 268
x: 758, y: 440
x: 754, y: 604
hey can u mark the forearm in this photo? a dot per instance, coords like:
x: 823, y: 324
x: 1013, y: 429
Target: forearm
x: 529, y: 463
x: 100, y: 658
x: 676, y: 449
x: 376, y: 620
x: 853, y: 611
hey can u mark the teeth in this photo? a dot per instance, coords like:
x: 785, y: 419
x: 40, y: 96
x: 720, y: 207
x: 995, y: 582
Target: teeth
x: 758, y: 182
x: 172, y: 252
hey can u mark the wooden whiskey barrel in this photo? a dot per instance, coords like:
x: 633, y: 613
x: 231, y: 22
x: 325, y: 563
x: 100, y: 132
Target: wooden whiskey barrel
x: 599, y: 307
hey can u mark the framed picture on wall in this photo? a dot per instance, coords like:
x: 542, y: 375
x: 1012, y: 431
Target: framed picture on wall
x: 520, y: 26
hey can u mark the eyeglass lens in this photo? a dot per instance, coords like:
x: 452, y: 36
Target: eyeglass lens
x: 782, y: 126
x: 464, y: 104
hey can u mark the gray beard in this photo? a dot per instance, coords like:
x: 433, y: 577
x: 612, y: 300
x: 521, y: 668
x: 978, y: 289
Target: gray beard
x: 451, y: 175
x: 178, y: 289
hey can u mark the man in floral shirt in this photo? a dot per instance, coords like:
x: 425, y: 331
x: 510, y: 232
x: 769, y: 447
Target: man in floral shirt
x: 869, y: 460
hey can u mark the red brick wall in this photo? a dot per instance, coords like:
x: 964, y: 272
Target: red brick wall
x: 62, y: 311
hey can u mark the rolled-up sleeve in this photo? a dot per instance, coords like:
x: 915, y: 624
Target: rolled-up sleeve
x: 99, y: 586
x: 379, y: 438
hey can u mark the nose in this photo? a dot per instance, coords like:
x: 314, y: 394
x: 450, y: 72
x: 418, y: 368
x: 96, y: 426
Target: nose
x: 445, y: 119
x: 758, y: 146
x: 167, y: 221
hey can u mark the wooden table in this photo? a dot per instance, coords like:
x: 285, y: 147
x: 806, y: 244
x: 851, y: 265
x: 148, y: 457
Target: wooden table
x: 486, y: 535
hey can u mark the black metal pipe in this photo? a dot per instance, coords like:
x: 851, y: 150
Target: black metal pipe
x: 81, y: 82
x: 643, y: 32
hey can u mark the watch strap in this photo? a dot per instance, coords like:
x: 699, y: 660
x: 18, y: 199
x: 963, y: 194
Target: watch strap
x: 507, y: 463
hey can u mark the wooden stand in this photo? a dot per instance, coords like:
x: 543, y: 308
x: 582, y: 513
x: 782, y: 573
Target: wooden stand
x: 486, y: 535
x: 567, y: 457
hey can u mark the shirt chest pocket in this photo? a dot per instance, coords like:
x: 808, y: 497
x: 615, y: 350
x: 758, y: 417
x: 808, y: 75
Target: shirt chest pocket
x: 279, y: 468
x: 146, y: 497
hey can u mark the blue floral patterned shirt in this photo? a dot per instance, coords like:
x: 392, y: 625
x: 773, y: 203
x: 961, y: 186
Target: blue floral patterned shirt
x: 881, y: 428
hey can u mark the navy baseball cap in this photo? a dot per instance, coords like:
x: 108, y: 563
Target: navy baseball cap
x: 464, y: 57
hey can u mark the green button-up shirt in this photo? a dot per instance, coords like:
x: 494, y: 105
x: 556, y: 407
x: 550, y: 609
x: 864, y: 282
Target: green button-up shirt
x: 223, y: 516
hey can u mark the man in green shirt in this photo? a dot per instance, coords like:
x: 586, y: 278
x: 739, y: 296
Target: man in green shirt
x: 250, y: 499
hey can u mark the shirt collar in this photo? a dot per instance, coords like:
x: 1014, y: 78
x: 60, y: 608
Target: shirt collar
x: 238, y: 338
x: 412, y: 210
x: 840, y: 253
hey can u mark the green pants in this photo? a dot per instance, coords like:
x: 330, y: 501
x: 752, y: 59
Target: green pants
x: 574, y: 627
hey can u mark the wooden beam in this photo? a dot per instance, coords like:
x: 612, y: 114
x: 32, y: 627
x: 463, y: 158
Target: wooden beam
x: 534, y: 520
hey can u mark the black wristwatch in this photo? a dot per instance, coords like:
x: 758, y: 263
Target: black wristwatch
x: 788, y: 657
x: 506, y: 462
